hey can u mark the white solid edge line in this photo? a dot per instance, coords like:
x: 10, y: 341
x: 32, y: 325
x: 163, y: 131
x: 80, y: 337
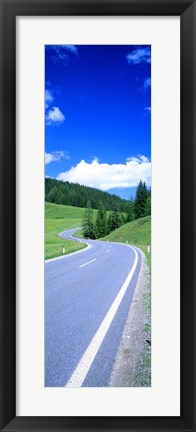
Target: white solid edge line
x: 68, y: 255
x: 87, y: 263
x: 72, y: 253
x: 79, y: 375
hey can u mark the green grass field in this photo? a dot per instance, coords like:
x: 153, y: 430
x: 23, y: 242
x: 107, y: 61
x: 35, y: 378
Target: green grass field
x: 59, y: 218
x: 137, y: 233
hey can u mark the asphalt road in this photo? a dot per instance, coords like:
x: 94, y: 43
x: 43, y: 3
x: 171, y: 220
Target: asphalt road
x: 87, y: 298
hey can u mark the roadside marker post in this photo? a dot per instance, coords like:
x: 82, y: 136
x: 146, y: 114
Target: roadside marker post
x: 63, y: 250
x: 148, y: 248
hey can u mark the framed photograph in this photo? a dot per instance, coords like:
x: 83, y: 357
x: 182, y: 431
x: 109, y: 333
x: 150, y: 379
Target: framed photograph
x: 97, y: 137
x: 109, y: 196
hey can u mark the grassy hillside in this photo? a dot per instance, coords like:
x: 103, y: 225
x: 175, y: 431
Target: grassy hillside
x: 59, y: 218
x: 137, y: 233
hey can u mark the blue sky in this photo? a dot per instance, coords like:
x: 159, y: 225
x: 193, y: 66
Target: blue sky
x: 98, y: 115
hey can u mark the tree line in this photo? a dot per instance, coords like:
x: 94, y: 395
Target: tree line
x: 104, y: 223
x: 76, y: 195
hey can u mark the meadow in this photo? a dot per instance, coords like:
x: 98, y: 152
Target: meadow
x: 137, y: 232
x: 57, y: 219
x: 60, y: 217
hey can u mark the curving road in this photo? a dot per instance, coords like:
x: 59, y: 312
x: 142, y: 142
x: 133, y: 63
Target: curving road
x: 87, y: 298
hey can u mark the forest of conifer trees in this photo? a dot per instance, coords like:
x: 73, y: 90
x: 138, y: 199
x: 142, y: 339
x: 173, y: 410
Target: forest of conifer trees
x: 113, y: 211
x: 76, y: 195
x: 104, y: 224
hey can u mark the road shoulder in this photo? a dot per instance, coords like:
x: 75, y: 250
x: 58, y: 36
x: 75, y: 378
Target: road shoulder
x: 132, y: 367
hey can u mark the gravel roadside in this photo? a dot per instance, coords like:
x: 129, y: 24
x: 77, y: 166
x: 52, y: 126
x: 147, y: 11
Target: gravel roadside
x: 132, y: 367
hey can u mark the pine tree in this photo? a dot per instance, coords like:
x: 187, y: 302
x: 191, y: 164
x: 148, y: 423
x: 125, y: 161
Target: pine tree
x: 140, y: 200
x: 148, y: 206
x: 101, y: 222
x: 123, y: 218
x: 130, y: 211
x: 53, y: 195
x: 87, y: 223
x: 78, y: 195
x: 114, y: 220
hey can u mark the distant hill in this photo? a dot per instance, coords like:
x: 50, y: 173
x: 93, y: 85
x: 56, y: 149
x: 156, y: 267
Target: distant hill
x: 73, y: 194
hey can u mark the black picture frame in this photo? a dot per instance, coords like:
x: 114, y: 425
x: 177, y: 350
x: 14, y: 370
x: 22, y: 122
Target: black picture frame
x: 9, y: 10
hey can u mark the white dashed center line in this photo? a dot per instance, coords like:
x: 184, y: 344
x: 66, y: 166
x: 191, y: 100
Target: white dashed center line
x: 78, y: 376
x: 87, y: 263
x: 108, y: 251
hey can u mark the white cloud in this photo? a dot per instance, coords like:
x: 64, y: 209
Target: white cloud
x: 147, y: 109
x: 54, y: 116
x: 56, y: 156
x: 48, y: 98
x: 105, y: 176
x: 139, y: 55
x: 72, y: 48
x: 61, y: 52
x: 147, y: 83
